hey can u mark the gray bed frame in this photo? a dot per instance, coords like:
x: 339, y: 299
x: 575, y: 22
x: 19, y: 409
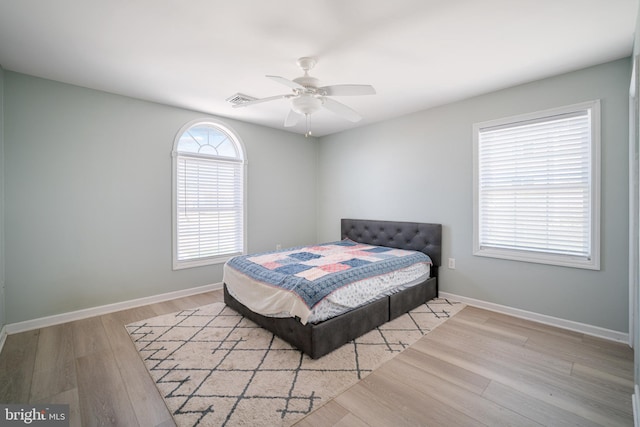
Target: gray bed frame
x: 318, y: 339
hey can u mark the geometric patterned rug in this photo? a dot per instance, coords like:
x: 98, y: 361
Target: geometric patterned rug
x: 213, y: 367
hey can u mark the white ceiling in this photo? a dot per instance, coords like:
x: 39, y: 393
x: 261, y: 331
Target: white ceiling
x: 416, y: 53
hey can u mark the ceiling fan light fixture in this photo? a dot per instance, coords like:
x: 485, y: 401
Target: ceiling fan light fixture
x: 306, y: 104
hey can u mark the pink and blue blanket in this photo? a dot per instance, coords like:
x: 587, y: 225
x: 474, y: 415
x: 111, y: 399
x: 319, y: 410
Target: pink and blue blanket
x: 314, y: 272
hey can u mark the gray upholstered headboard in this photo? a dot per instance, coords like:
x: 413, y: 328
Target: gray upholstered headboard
x: 416, y: 236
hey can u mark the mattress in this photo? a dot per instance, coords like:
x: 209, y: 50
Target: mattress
x: 314, y: 283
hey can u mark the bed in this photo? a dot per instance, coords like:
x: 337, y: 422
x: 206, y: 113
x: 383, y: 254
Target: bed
x: 319, y: 338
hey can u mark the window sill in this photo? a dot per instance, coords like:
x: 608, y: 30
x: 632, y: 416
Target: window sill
x: 540, y: 258
x: 201, y: 262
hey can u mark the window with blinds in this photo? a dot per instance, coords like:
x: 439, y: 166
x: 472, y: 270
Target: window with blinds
x: 536, y: 187
x: 208, y: 190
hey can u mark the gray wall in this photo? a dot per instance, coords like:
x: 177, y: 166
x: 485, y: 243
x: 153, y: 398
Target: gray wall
x: 2, y: 281
x: 634, y: 271
x: 88, y: 196
x: 419, y: 168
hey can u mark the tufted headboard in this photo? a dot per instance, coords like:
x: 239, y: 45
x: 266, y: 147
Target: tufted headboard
x: 417, y: 236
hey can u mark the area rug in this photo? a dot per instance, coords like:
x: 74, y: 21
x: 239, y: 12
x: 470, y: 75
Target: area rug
x: 213, y: 367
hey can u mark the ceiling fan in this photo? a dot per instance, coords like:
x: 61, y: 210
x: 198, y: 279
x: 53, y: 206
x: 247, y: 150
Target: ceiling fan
x: 308, y: 97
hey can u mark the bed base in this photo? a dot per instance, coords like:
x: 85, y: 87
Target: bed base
x: 320, y: 338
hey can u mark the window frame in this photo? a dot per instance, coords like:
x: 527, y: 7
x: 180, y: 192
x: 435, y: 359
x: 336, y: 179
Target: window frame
x: 175, y: 156
x: 592, y: 262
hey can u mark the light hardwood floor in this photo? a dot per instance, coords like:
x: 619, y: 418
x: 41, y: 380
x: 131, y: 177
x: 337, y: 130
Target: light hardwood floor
x: 478, y: 368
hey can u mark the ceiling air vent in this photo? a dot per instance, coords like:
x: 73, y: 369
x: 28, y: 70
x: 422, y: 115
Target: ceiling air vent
x: 240, y: 98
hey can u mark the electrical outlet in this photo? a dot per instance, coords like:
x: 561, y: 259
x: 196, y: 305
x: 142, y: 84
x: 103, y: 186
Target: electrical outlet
x: 278, y: 246
x: 452, y: 263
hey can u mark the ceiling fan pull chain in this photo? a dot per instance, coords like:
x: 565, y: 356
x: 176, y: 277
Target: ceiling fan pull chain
x: 308, y: 119
x: 308, y: 133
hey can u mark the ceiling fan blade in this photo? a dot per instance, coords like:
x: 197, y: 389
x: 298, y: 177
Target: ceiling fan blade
x: 286, y: 82
x: 347, y: 90
x: 341, y: 109
x: 292, y: 119
x: 261, y: 100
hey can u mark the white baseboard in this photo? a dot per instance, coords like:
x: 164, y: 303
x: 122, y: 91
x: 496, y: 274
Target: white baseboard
x: 542, y: 318
x: 634, y: 404
x: 3, y: 337
x: 57, y: 319
x: 29, y: 325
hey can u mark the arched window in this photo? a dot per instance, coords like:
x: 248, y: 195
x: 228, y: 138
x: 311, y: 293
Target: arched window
x: 208, y: 195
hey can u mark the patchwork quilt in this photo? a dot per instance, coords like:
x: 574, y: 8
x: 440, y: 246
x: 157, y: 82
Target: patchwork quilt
x: 314, y: 272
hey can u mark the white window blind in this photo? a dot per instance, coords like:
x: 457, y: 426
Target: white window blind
x: 535, y: 188
x: 208, y: 195
x: 209, y: 207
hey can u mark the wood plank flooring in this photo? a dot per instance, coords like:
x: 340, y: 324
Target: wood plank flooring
x: 488, y: 369
x: 479, y: 368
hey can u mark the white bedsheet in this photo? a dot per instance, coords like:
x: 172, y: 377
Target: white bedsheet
x: 275, y: 302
